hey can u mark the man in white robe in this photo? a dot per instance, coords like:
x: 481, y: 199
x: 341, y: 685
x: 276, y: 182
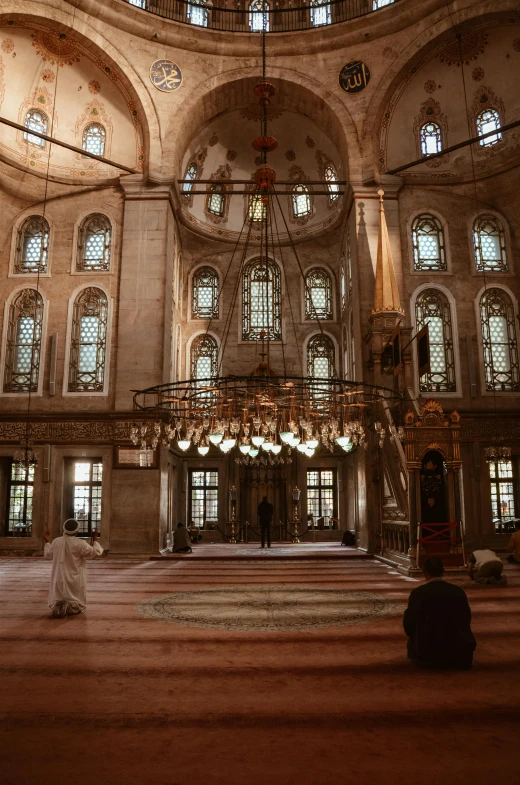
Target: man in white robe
x: 68, y: 589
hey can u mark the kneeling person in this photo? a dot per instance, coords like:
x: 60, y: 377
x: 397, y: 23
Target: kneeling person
x: 68, y: 590
x: 486, y: 567
x: 438, y: 622
x: 181, y: 540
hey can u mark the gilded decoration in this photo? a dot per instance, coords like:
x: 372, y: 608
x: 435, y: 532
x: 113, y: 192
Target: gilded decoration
x: 354, y: 77
x: 73, y: 431
x: 465, y: 49
x: 94, y: 87
x: 7, y: 46
x: 56, y: 48
x: 165, y: 75
x: 478, y: 74
x: 254, y: 112
x: 430, y: 86
x: 48, y: 76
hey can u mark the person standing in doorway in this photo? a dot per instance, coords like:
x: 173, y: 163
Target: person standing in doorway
x: 265, y: 516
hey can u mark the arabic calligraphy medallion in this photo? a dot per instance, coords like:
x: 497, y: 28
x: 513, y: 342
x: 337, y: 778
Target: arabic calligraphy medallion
x: 165, y: 76
x: 354, y: 77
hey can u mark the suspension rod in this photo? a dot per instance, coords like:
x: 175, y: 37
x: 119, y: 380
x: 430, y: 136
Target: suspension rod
x: 74, y: 149
x: 221, y: 181
x: 256, y: 193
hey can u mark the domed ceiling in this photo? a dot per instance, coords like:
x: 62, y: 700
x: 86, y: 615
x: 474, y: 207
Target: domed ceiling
x: 223, y: 150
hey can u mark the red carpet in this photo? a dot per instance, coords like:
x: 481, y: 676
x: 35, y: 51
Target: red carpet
x: 111, y: 697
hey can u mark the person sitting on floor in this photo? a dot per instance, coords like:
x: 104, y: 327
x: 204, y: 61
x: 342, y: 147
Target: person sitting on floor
x: 68, y: 589
x: 438, y: 622
x: 181, y: 540
x: 484, y: 566
x: 514, y: 545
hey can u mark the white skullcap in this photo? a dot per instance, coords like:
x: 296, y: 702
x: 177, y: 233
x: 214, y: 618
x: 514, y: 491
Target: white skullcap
x: 68, y: 529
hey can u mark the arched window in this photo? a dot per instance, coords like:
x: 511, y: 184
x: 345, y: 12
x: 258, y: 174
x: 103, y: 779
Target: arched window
x: 259, y: 16
x: 88, y: 341
x: 430, y: 136
x: 203, y: 358
x: 343, y: 285
x: 191, y: 175
x: 301, y: 201
x: 217, y: 200
x: 318, y: 294
x: 428, y: 243
x: 24, y: 337
x: 32, y: 246
x: 204, y: 302
x: 320, y: 365
x: 198, y: 14
x: 432, y: 308
x: 499, y: 343
x: 380, y: 4
x: 94, y: 137
x: 261, y: 302
x: 489, y: 242
x: 36, y: 120
x: 332, y: 182
x: 256, y: 209
x: 94, y: 244
x: 488, y: 120
x: 320, y: 13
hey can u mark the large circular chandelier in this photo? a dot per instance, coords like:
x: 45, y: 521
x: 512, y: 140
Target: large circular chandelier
x: 263, y: 417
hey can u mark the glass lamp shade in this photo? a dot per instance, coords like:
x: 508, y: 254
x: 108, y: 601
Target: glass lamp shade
x: 296, y: 493
x: 309, y: 452
x: 276, y: 448
x: 267, y: 446
x: 223, y: 447
x: 286, y: 436
x: 301, y: 447
x: 215, y: 438
x: 203, y: 449
x: 343, y: 441
x: 183, y: 444
x: 294, y: 441
x: 253, y: 452
x: 312, y: 443
x: 245, y: 448
x: 348, y: 447
x: 229, y: 443
x: 258, y: 440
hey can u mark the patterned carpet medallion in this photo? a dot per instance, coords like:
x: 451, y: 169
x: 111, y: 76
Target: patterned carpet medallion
x: 267, y: 608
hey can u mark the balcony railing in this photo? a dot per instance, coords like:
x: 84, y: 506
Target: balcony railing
x: 251, y: 17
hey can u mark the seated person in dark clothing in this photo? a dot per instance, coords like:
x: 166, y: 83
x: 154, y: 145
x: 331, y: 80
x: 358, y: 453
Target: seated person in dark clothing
x: 438, y: 622
x: 181, y: 540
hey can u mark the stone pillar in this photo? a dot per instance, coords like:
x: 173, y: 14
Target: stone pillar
x: 144, y: 329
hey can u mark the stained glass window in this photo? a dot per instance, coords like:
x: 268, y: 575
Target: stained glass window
x: 331, y: 177
x: 32, y: 246
x: 204, y: 303
x: 428, y: 244
x: 489, y: 242
x: 204, y: 357
x: 320, y: 357
x: 87, y: 477
x: 321, y: 496
x: 24, y: 336
x: 203, y: 495
x: 501, y: 475
x: 94, y: 243
x: 320, y: 14
x: 301, y: 201
x: 318, y: 294
x: 217, y: 200
x: 94, y: 137
x: 430, y: 137
x: 256, y: 210
x: 88, y: 342
x: 499, y: 341
x: 488, y: 120
x: 191, y: 174
x: 259, y: 16
x: 36, y: 120
x: 20, y: 511
x: 198, y: 14
x: 433, y: 309
x: 261, y: 301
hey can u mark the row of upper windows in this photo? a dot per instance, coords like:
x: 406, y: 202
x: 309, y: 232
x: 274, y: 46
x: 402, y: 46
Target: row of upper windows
x: 498, y: 339
x: 487, y: 122
x: 87, y: 340
x: 92, y: 140
x: 206, y: 291
x: 301, y: 201
x: 94, y: 250
x: 259, y: 12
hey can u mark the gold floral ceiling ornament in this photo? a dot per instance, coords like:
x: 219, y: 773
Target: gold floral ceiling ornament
x: 56, y: 48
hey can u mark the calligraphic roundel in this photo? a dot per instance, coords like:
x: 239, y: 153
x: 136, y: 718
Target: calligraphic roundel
x: 354, y: 77
x: 165, y: 76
